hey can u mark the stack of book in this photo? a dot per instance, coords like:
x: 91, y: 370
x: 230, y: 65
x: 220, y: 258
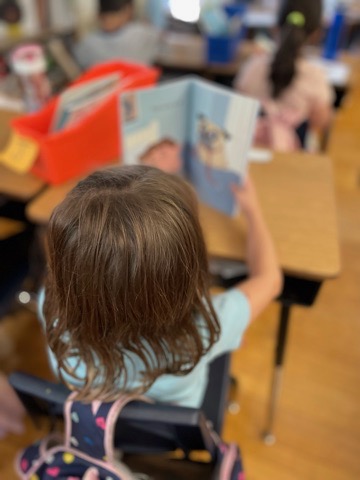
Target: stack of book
x: 80, y: 100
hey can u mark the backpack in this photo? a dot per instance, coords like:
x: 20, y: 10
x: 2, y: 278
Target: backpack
x: 86, y: 452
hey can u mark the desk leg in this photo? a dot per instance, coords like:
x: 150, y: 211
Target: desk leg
x: 269, y: 437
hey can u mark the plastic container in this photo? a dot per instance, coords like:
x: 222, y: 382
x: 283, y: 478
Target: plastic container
x: 91, y: 143
x: 221, y: 49
x: 333, y: 37
x: 29, y: 64
x: 237, y: 10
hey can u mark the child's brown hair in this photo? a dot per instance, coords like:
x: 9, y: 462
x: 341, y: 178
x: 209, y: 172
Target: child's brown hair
x: 127, y: 275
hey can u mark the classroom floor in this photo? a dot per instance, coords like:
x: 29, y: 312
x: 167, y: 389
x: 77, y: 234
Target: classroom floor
x: 318, y: 420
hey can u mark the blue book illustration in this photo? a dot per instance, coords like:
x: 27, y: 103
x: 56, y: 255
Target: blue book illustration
x: 194, y: 128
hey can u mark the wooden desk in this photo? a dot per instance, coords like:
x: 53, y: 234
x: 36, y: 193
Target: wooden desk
x: 297, y: 196
x: 188, y: 52
x: 20, y: 187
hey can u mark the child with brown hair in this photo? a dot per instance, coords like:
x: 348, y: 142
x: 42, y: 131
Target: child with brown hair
x: 127, y: 304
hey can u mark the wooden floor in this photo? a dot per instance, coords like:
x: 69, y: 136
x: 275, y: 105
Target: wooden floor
x: 318, y: 421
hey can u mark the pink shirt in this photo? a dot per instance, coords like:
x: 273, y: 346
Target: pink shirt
x: 308, y: 91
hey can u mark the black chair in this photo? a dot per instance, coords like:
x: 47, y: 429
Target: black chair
x: 42, y: 397
x: 146, y: 433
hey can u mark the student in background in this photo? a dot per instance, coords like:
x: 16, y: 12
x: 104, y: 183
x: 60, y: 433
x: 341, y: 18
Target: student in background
x: 118, y: 36
x: 291, y: 88
x: 127, y: 303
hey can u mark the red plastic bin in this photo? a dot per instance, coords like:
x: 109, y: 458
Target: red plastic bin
x: 95, y: 140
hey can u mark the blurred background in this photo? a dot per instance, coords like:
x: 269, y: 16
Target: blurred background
x: 317, y: 421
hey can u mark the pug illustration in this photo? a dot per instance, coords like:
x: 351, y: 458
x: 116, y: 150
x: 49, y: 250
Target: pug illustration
x: 211, y: 143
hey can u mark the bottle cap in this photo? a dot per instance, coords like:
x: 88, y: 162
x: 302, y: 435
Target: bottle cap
x: 28, y: 60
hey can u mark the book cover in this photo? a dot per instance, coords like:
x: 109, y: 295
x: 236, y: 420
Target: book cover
x: 194, y: 128
x: 78, y: 101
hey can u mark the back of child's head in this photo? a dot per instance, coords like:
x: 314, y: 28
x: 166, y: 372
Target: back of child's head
x: 107, y: 6
x: 127, y: 276
x: 113, y: 14
x: 298, y: 20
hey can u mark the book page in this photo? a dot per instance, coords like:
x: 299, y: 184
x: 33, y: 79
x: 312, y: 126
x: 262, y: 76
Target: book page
x: 154, y: 125
x: 220, y: 133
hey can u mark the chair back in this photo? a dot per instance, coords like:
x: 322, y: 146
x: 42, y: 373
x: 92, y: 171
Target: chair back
x: 141, y: 427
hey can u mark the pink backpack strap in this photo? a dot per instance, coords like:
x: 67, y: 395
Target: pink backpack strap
x: 90, y: 428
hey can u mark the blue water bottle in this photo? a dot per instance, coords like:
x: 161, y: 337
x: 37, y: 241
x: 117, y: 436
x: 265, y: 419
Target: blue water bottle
x: 333, y: 38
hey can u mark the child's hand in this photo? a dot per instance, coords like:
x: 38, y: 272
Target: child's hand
x: 246, y: 197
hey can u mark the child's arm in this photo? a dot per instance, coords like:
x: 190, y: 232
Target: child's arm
x: 265, y: 278
x: 320, y: 118
x: 322, y: 100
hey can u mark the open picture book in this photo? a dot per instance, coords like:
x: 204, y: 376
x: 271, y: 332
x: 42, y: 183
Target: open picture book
x: 193, y: 128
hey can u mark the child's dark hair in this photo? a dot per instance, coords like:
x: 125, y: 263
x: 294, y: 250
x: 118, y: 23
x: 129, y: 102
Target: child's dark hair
x: 298, y: 19
x: 109, y: 6
x: 127, y: 276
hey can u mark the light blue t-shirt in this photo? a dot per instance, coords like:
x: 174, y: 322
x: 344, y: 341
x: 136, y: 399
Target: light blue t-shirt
x: 233, y: 310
